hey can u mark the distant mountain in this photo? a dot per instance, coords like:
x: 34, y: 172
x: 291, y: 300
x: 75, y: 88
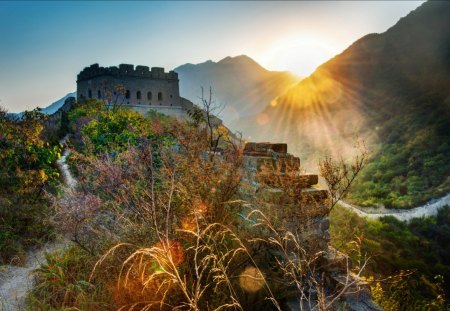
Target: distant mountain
x: 392, y: 89
x: 239, y: 83
x: 50, y: 109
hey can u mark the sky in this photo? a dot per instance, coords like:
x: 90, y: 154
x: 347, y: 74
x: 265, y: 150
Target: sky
x: 44, y: 45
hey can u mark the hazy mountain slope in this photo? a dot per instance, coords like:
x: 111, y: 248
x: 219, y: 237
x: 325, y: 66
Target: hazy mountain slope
x: 239, y: 83
x: 393, y: 89
x: 50, y: 109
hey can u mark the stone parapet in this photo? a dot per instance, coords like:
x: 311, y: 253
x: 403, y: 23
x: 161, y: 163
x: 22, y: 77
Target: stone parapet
x: 126, y: 70
x: 141, y: 88
x: 261, y: 149
x: 288, y: 205
x: 287, y: 195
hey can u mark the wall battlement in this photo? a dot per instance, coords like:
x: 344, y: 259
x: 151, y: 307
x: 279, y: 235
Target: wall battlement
x: 299, y: 214
x: 126, y: 70
x: 141, y: 88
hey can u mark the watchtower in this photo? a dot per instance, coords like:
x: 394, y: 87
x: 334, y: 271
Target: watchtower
x: 141, y: 88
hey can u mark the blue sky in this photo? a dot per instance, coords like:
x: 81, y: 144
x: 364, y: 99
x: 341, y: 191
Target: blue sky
x: 45, y: 44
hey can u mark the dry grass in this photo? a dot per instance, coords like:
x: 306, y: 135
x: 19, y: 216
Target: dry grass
x: 165, y: 227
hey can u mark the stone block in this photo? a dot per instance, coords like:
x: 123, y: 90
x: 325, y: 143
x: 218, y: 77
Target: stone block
x: 309, y: 179
x: 271, y: 195
x: 352, y: 284
x: 320, y: 223
x: 256, y: 163
x: 264, y: 148
x: 311, y: 210
x: 334, y: 261
x: 357, y: 296
x: 359, y: 301
x: 279, y: 148
x: 288, y: 163
x: 125, y: 68
x: 316, y: 193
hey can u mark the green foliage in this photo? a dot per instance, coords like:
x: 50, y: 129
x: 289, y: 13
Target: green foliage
x: 99, y: 129
x: 23, y: 225
x: 196, y: 115
x: 27, y: 169
x: 410, y: 168
x: 64, y: 280
x: 113, y: 131
x: 143, y: 179
x: 28, y: 161
x: 421, y: 246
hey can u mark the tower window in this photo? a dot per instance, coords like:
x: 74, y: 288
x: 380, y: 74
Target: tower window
x: 160, y: 96
x: 127, y: 94
x: 149, y: 95
x: 138, y: 95
x: 99, y: 94
x: 90, y: 93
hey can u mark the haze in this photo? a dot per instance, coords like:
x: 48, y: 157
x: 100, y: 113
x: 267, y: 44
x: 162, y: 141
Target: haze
x: 45, y: 44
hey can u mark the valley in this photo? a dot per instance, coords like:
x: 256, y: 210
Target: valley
x: 226, y: 183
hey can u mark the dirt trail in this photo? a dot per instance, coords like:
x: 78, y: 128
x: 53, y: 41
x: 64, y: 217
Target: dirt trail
x: 14, y: 280
x: 429, y: 209
x: 69, y: 180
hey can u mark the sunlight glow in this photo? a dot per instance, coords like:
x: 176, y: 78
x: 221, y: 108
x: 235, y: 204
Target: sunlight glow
x: 300, y: 54
x: 174, y: 251
x: 189, y: 223
x: 251, y: 279
x: 333, y: 101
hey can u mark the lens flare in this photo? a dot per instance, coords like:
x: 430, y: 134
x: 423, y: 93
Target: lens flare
x: 251, y: 279
x: 262, y: 118
x: 174, y: 251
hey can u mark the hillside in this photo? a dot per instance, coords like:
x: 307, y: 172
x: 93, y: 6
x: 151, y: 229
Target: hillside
x: 390, y: 89
x: 239, y: 83
x: 50, y: 109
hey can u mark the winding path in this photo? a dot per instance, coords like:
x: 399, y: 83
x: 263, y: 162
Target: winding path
x: 69, y: 180
x: 429, y: 209
x: 15, y: 280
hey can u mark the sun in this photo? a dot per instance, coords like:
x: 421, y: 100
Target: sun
x: 299, y: 54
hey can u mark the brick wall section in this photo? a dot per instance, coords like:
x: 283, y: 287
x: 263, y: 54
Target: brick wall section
x: 145, y: 89
x: 296, y: 204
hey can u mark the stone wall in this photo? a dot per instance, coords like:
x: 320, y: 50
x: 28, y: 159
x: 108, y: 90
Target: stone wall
x: 292, y: 198
x: 142, y: 89
x: 296, y: 205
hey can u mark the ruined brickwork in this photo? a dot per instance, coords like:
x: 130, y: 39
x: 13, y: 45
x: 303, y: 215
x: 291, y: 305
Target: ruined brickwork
x: 297, y: 205
x: 140, y: 88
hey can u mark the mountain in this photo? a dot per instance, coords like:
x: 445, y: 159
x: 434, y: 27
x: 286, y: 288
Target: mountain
x: 391, y: 89
x: 50, y: 109
x: 239, y: 83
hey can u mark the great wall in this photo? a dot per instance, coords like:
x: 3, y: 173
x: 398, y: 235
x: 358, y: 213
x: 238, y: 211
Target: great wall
x: 294, y: 200
x: 141, y: 88
x: 300, y: 209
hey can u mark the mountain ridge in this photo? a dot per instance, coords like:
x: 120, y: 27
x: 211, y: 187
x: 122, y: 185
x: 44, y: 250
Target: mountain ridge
x: 239, y: 83
x: 390, y: 89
